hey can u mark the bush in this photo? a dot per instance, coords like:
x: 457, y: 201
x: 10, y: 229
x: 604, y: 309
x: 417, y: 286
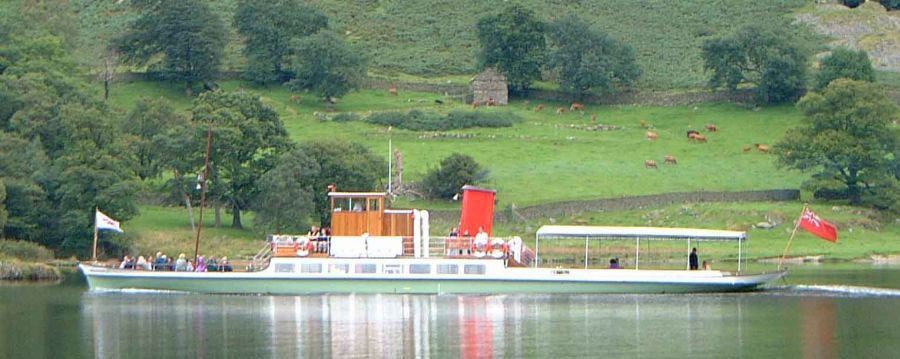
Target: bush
x: 416, y: 120
x: 26, y: 251
x: 852, y: 3
x: 455, y: 171
x: 345, y: 117
x: 891, y: 4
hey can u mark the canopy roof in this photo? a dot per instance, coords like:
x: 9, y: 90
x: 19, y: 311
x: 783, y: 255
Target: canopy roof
x: 356, y: 194
x: 658, y: 233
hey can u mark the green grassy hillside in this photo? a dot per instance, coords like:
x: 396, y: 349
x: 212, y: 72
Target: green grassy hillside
x: 433, y: 38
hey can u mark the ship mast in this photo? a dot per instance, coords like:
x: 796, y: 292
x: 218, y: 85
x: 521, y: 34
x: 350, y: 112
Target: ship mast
x: 203, y: 186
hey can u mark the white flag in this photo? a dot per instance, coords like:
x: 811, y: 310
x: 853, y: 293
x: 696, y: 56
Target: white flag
x: 103, y: 221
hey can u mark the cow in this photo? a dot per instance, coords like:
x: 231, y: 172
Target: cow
x: 491, y: 102
x: 476, y: 104
x: 576, y: 106
x: 295, y: 99
x: 393, y: 90
x: 650, y: 164
x: 561, y: 110
x: 671, y: 159
x: 692, y: 133
x: 652, y: 135
x: 711, y: 127
x: 764, y: 148
x: 538, y: 108
x: 698, y: 137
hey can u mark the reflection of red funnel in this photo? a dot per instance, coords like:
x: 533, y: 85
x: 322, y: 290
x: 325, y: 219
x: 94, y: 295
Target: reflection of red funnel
x: 477, y: 210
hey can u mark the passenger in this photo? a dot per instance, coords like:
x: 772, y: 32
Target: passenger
x: 224, y: 266
x: 481, y: 240
x: 127, y: 263
x: 142, y: 264
x: 693, y: 260
x: 190, y: 267
x: 614, y: 263
x: 160, y: 262
x: 454, y: 232
x: 212, y: 265
x: 706, y: 266
x: 201, y: 264
x: 181, y: 263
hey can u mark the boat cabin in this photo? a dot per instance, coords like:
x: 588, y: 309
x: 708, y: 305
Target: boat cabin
x: 357, y: 213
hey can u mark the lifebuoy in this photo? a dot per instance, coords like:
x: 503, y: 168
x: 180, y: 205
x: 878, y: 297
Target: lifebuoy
x: 498, y: 248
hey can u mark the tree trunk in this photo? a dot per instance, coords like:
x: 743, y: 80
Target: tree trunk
x: 189, y: 88
x: 105, y: 90
x: 236, y: 217
x: 853, y: 192
x: 218, y: 215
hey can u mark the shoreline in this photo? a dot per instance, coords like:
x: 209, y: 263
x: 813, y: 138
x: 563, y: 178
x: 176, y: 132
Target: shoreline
x: 19, y: 271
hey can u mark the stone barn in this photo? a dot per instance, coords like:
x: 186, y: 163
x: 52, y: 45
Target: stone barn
x: 489, y: 87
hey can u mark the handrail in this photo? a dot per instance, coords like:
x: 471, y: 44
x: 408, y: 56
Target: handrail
x: 261, y: 259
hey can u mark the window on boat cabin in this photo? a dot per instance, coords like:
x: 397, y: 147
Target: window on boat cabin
x: 311, y: 268
x: 420, y: 269
x: 341, y: 204
x: 473, y: 269
x: 447, y: 268
x: 339, y: 268
x: 374, y: 204
x: 393, y: 269
x: 284, y: 267
x: 358, y: 204
x: 365, y: 268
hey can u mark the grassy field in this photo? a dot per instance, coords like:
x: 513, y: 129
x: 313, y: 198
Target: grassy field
x: 429, y: 38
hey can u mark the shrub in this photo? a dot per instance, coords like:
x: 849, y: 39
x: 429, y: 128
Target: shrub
x: 416, y: 120
x: 891, y: 4
x: 455, y: 171
x: 345, y: 117
x: 27, y: 251
x: 852, y: 3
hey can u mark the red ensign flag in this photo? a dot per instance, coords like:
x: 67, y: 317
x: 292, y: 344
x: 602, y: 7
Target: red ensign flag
x: 815, y: 225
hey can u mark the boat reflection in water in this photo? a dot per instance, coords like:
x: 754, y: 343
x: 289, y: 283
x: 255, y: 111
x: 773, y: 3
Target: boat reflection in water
x: 459, y: 326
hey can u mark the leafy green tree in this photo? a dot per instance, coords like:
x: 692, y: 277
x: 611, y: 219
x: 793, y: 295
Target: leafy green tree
x: 4, y: 215
x: 512, y: 41
x: 326, y: 65
x: 589, y: 61
x: 148, y: 124
x: 845, y: 63
x: 285, y: 199
x: 846, y: 136
x: 268, y: 27
x: 189, y: 37
x: 350, y: 166
x: 248, y: 138
x: 770, y: 61
x: 22, y: 167
x: 455, y: 171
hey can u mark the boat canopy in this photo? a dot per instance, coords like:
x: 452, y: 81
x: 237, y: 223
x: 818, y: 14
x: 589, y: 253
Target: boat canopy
x: 650, y: 233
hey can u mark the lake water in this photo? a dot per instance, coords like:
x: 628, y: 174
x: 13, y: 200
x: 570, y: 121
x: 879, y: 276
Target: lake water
x: 828, y: 311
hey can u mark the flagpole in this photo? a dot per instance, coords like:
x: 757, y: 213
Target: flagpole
x: 203, y: 190
x: 94, y: 255
x: 794, y: 232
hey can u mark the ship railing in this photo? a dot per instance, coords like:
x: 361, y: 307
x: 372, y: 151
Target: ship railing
x: 261, y: 259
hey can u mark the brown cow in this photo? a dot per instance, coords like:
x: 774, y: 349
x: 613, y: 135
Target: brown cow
x: 652, y: 135
x: 711, y: 127
x: 561, y: 110
x: 697, y: 137
x: 476, y: 104
x: 671, y: 159
x: 393, y: 90
x: 295, y: 98
x: 538, y: 108
x: 650, y: 164
x: 764, y: 148
x: 491, y: 101
x: 576, y: 106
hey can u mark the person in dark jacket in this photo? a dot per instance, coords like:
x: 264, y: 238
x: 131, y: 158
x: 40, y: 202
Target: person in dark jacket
x: 693, y: 260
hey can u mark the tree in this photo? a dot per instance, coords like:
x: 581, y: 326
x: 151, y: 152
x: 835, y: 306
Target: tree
x: 326, y: 65
x: 248, y: 138
x: 845, y: 63
x: 846, y: 137
x: 150, y: 122
x: 22, y: 167
x: 4, y: 215
x: 186, y: 33
x: 770, y: 61
x: 285, y: 199
x: 512, y: 41
x: 455, y: 171
x: 268, y: 27
x: 589, y: 61
x: 350, y: 166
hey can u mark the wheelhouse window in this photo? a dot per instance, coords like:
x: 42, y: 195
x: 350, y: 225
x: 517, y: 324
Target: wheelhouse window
x: 284, y: 268
x: 338, y: 268
x: 447, y: 268
x: 420, y: 269
x: 311, y: 268
x: 365, y: 268
x: 393, y: 269
x: 473, y: 269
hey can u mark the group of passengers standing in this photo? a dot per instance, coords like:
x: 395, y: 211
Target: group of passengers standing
x: 161, y: 262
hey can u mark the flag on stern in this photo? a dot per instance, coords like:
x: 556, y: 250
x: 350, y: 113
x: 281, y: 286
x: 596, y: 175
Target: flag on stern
x: 818, y: 226
x: 102, y: 221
